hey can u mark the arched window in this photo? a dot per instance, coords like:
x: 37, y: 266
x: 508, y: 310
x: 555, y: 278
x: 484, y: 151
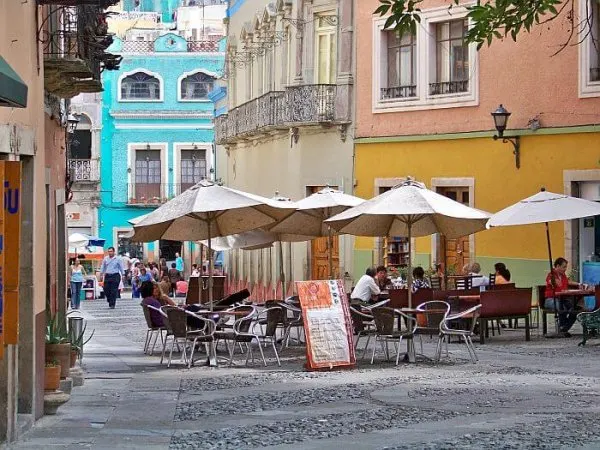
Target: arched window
x: 196, y: 86
x: 140, y: 86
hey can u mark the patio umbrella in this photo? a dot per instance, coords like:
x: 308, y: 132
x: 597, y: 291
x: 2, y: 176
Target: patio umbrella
x: 209, y: 210
x: 411, y: 210
x: 78, y: 240
x: 544, y: 207
x: 312, y: 211
x: 137, y: 219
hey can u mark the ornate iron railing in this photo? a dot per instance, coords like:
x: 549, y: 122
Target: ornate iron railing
x: 154, y: 193
x: 138, y: 46
x: 595, y: 74
x: 209, y: 46
x: 101, y: 3
x: 311, y: 103
x: 84, y: 170
x: 297, y: 105
x: 448, y: 87
x: 398, y: 92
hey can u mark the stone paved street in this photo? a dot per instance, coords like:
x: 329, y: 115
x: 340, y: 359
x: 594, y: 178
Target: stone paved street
x: 543, y: 395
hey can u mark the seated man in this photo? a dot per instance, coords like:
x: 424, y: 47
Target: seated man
x: 477, y: 279
x: 181, y: 288
x: 557, y: 281
x: 366, y: 289
x: 382, y: 279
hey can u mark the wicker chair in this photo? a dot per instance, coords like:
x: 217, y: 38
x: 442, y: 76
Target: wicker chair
x: 181, y: 334
x: 364, y: 325
x: 466, y: 334
x: 385, y: 319
x: 150, y: 331
x: 166, y: 328
x: 431, y: 315
x: 225, y: 328
x: 204, y: 335
x: 435, y: 283
x: 271, y: 317
x: 293, y: 319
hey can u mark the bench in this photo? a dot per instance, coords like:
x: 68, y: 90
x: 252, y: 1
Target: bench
x: 504, y: 304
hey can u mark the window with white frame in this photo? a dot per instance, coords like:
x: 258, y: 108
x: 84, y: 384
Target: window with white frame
x: 401, y: 73
x: 196, y: 86
x: 451, y: 58
x: 193, y: 167
x: 140, y: 86
x: 589, y: 49
x: 325, y: 48
x: 432, y: 68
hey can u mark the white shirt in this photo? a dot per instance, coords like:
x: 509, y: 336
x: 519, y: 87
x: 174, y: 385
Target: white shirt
x: 479, y: 280
x: 365, y: 288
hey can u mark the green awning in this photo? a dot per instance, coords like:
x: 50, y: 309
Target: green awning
x: 13, y: 92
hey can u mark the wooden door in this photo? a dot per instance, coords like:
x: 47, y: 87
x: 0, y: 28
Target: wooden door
x: 454, y: 253
x: 319, y: 252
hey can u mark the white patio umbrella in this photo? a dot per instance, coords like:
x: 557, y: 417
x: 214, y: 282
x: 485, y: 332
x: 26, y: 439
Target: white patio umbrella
x: 544, y: 207
x: 78, y: 240
x: 311, y: 213
x: 411, y: 210
x: 209, y: 210
x: 137, y: 219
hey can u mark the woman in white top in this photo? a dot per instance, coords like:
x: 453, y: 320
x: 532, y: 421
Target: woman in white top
x: 76, y: 278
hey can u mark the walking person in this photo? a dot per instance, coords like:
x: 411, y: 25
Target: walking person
x: 111, y: 272
x: 179, y: 263
x: 164, y: 269
x: 76, y: 276
x: 174, y: 277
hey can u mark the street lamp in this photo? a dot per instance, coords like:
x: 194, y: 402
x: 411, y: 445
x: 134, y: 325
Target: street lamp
x: 500, y: 117
x: 72, y: 122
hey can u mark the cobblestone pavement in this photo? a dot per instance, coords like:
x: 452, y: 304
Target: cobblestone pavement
x: 543, y: 394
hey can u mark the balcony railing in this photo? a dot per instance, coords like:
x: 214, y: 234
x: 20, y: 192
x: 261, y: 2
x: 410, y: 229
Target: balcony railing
x: 147, y: 194
x: 74, y: 39
x: 207, y: 46
x: 84, y: 170
x: 398, y: 92
x: 448, y: 87
x: 595, y: 74
x: 101, y: 3
x: 296, y: 106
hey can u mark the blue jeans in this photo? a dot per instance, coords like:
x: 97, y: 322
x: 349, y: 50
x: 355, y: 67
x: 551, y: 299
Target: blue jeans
x: 76, y: 294
x: 566, y: 314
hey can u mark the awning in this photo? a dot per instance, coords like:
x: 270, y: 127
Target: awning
x: 13, y: 91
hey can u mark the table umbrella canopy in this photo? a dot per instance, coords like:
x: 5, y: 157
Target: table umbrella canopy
x: 78, y: 240
x: 208, y: 210
x: 137, y: 219
x: 410, y: 204
x: 544, y: 207
x: 409, y: 209
x: 252, y: 240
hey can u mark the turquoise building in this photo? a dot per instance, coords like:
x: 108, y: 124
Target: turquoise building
x: 157, y: 138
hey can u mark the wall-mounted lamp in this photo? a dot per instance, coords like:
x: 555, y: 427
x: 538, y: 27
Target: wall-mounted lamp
x: 72, y: 122
x: 148, y: 146
x: 501, y: 116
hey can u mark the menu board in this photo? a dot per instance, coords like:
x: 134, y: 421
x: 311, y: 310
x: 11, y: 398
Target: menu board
x: 327, y: 324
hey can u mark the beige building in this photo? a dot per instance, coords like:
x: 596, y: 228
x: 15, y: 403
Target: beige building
x: 289, y: 126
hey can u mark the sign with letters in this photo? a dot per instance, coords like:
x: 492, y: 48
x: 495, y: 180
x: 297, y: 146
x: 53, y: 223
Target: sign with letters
x: 327, y: 324
x: 12, y: 233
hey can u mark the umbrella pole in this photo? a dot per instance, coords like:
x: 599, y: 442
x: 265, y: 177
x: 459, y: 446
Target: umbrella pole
x: 552, y: 280
x: 409, y: 274
x: 330, y: 252
x: 210, y: 269
x: 281, y: 269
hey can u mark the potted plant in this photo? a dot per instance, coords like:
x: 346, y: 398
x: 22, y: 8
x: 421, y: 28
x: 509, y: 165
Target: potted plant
x: 51, y: 375
x: 58, y: 347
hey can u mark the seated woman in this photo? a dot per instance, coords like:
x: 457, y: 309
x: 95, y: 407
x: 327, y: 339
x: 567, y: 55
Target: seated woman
x: 162, y: 298
x: 502, y: 274
x: 146, y: 291
x: 181, y: 288
x: 419, y: 281
x: 557, y: 281
x: 165, y: 284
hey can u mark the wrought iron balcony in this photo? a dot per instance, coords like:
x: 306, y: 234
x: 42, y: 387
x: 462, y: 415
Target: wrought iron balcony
x: 208, y: 46
x: 595, y: 74
x: 100, y: 3
x: 398, y: 92
x: 144, y: 194
x: 313, y: 103
x: 84, y: 170
x: 448, y: 87
x: 296, y: 106
x: 74, y: 39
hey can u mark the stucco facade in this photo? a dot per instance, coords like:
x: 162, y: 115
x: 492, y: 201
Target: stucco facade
x: 445, y: 140
x: 289, y: 124
x: 166, y: 128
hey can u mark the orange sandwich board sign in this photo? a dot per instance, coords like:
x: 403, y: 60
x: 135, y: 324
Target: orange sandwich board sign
x: 327, y: 324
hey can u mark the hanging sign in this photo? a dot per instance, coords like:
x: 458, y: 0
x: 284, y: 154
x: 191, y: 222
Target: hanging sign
x: 12, y: 231
x: 327, y: 324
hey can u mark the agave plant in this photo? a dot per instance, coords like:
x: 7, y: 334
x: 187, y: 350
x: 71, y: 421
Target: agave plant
x: 56, y: 330
x: 77, y: 342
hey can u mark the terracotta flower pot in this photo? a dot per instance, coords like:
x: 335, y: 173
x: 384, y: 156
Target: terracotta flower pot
x: 61, y: 353
x: 51, y: 378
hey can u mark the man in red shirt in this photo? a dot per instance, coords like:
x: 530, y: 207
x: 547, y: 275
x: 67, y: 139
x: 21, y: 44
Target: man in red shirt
x: 557, y: 281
